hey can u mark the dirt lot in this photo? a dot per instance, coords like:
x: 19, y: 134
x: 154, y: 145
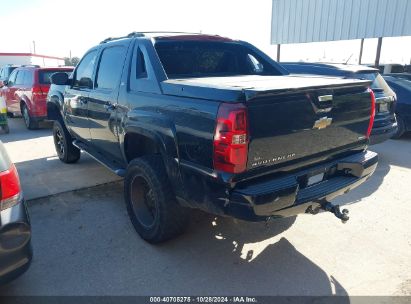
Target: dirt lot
x: 84, y: 243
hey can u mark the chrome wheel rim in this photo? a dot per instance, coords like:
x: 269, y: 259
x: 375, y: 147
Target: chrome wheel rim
x: 58, y: 139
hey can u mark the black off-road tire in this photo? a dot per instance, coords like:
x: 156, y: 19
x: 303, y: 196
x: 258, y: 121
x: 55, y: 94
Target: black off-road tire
x: 401, y: 128
x: 63, y: 142
x: 151, y: 203
x: 30, y: 123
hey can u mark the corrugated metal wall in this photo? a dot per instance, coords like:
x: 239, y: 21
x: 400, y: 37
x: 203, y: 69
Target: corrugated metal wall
x: 297, y: 21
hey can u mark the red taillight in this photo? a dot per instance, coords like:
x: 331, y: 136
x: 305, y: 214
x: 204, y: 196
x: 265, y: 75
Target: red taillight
x: 40, y: 90
x: 372, y: 115
x: 231, y: 138
x: 9, y: 187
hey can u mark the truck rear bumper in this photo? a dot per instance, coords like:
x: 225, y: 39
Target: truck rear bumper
x: 381, y: 134
x: 291, y: 195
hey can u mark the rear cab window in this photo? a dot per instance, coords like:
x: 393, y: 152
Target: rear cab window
x: 44, y: 75
x: 188, y: 59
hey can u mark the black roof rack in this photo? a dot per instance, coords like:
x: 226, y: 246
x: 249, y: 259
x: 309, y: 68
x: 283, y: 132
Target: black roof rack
x: 131, y: 35
x: 141, y: 34
x: 171, y: 32
x: 30, y: 65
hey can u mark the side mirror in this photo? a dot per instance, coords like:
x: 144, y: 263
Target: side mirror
x: 60, y: 78
x: 4, y: 83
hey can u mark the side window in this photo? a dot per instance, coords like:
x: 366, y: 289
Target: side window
x: 12, y: 78
x: 84, y: 72
x: 110, y: 67
x: 141, y: 70
x: 20, y: 78
x: 256, y: 66
x: 1, y: 74
x: 28, y: 78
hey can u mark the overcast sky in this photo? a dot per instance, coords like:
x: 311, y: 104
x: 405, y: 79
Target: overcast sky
x: 60, y: 26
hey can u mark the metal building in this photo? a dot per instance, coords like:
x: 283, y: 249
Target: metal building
x: 299, y: 21
x: 29, y: 58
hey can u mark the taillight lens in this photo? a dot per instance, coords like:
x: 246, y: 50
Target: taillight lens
x: 231, y: 138
x: 372, y: 115
x: 40, y: 90
x: 9, y: 188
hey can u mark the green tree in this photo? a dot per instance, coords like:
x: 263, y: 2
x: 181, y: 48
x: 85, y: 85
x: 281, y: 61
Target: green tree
x: 71, y: 61
x: 75, y: 61
x: 67, y: 61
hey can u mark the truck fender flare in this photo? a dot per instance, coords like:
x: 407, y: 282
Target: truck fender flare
x: 163, y: 134
x: 166, y: 151
x: 153, y: 126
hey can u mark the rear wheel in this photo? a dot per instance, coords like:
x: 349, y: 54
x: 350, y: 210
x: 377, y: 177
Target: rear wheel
x: 66, y: 151
x: 31, y: 124
x: 151, y: 204
x: 401, y: 128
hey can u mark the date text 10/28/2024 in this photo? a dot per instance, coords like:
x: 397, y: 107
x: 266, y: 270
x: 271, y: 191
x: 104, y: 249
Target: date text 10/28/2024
x: 203, y: 300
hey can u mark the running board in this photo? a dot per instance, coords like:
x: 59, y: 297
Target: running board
x: 108, y: 163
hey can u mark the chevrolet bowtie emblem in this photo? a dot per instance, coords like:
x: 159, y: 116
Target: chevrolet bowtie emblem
x: 322, y: 123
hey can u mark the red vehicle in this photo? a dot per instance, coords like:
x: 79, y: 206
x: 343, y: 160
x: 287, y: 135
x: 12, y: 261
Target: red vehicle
x: 26, y: 91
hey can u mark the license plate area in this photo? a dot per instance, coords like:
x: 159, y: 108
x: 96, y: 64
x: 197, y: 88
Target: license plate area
x: 315, y: 179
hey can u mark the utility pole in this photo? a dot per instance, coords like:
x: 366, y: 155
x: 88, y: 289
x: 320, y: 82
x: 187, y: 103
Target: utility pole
x: 70, y: 54
x: 34, y: 47
x: 378, y: 55
x: 361, y: 49
x: 278, y: 52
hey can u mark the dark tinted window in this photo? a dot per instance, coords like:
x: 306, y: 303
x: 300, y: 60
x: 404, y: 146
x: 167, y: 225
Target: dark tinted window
x: 141, y: 71
x: 110, y: 67
x: 44, y: 75
x: 205, y: 59
x: 20, y: 78
x: 397, y: 69
x: 84, y: 72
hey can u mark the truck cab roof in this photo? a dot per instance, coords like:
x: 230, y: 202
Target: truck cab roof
x: 166, y: 35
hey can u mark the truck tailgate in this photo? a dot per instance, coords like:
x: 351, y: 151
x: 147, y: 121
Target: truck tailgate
x: 293, y: 118
x: 297, y: 125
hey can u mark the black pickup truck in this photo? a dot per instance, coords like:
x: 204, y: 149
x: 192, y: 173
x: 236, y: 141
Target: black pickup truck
x: 202, y: 121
